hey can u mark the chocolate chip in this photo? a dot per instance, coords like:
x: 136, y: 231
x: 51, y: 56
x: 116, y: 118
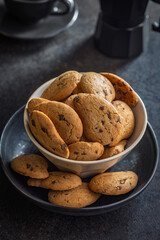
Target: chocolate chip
x: 109, y: 115
x: 66, y: 194
x: 122, y: 181
x: 44, y: 130
x: 83, y: 153
x: 63, y: 146
x: 119, y: 187
x: 76, y: 153
x: 60, y: 83
x: 54, y: 149
x: 118, y: 119
x: 101, y: 108
x: 110, y: 92
x: 105, y: 92
x: 76, y: 99
x: 31, y: 169
x: 100, y: 130
x: 37, y: 165
x: 118, y: 90
x: 61, y: 117
x: 33, y: 123
x: 102, y: 122
x: 54, y: 181
x: 96, y: 151
x: 124, y: 93
x: 111, y: 139
x: 64, y: 177
x: 28, y: 165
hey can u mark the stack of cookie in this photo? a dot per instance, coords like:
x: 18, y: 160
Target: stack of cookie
x: 84, y: 117
x: 67, y: 189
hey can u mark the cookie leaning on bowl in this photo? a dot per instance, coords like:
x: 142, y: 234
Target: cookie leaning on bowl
x: 34, y: 102
x: 45, y: 132
x: 124, y: 91
x: 127, y: 120
x: 66, y: 120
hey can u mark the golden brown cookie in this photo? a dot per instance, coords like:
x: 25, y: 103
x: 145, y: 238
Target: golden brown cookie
x: 34, y: 102
x: 31, y: 165
x: 124, y: 91
x: 78, y: 197
x: 101, y: 121
x: 85, y: 151
x: 65, y: 119
x: 45, y: 132
x: 95, y: 83
x: 127, y: 118
x: 114, y: 183
x: 57, y: 181
x: 62, y: 86
x: 111, y: 151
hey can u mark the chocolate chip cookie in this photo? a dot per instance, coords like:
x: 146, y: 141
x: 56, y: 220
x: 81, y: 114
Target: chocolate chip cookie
x: 31, y: 165
x: 62, y: 86
x: 111, y: 151
x: 57, y: 181
x: 95, y: 83
x: 124, y: 91
x: 45, y: 132
x: 85, y: 151
x: 114, y: 183
x: 101, y: 120
x: 65, y: 119
x: 78, y: 197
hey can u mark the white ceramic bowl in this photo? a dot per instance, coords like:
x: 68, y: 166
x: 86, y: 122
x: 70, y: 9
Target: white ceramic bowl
x: 90, y: 168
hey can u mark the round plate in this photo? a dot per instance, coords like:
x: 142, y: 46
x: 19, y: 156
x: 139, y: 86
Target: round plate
x: 143, y: 160
x: 46, y: 28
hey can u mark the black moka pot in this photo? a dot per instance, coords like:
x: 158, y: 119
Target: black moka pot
x: 120, y: 26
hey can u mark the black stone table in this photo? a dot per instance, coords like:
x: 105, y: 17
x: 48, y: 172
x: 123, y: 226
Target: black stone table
x: 24, y: 65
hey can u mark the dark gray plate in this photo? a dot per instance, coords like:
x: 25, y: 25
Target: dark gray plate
x: 47, y: 28
x: 143, y: 160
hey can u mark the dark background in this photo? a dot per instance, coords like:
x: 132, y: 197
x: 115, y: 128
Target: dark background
x: 24, y: 65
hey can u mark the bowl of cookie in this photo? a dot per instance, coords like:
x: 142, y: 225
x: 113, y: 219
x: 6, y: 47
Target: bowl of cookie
x: 85, y: 123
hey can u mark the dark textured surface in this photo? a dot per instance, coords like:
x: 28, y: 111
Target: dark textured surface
x: 26, y: 65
